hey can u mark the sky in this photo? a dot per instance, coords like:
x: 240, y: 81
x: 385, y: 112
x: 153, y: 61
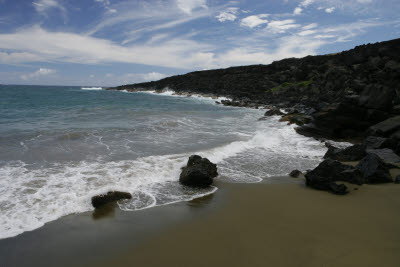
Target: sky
x: 114, y: 42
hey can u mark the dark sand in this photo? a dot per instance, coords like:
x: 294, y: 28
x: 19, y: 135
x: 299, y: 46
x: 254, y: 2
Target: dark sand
x: 240, y: 225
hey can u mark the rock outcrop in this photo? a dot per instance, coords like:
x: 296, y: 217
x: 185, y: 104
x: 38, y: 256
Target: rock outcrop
x: 199, y: 172
x: 351, y: 153
x: 346, y: 93
x: 374, y: 169
x: 324, y: 176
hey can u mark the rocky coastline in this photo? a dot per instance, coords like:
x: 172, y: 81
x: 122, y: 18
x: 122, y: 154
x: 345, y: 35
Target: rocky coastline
x: 350, y: 96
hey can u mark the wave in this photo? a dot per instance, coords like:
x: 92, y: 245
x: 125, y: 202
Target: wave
x: 172, y: 93
x: 91, y: 88
x: 29, y: 198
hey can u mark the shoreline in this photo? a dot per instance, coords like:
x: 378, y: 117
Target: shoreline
x: 258, y: 224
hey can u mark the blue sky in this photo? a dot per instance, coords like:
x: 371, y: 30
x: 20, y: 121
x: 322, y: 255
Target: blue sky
x: 112, y: 42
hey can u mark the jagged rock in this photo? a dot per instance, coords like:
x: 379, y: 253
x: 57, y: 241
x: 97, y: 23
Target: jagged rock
x: 351, y: 153
x: 374, y: 170
x: 375, y: 142
x: 100, y: 200
x: 353, y: 176
x: 377, y: 97
x: 386, y: 127
x: 199, y: 172
x: 386, y: 155
x: 338, y: 189
x: 273, y: 111
x: 299, y: 119
x: 397, y: 179
x: 295, y: 173
x: 330, y: 171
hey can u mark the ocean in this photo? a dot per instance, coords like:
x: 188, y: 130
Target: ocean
x: 59, y: 146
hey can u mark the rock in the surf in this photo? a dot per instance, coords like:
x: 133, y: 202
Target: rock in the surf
x: 100, y: 200
x: 295, y: 173
x: 199, y: 172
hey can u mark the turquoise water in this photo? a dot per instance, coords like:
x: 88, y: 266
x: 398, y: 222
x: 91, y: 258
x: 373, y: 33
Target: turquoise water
x: 62, y: 145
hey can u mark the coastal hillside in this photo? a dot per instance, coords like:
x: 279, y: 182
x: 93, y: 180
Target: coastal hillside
x: 349, y: 91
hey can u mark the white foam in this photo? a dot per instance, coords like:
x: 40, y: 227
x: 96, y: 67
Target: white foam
x: 169, y: 92
x: 31, y: 197
x: 91, y: 88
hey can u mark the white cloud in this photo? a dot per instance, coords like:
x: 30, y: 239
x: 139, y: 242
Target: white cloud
x: 310, y: 26
x: 281, y: 26
x: 42, y: 6
x: 19, y: 57
x: 106, y: 4
x: 329, y: 9
x: 306, y: 32
x: 297, y: 11
x: 187, y: 6
x: 254, y: 21
x: 136, y: 18
x: 39, y: 72
x: 228, y: 15
x: 306, y: 3
x: 75, y: 48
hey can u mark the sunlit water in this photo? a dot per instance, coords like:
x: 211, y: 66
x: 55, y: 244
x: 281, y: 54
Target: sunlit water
x: 59, y: 146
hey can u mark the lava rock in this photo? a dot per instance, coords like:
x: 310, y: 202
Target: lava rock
x: 199, y: 172
x: 386, y: 155
x: 295, y: 173
x: 330, y: 171
x: 386, y: 127
x: 338, y: 189
x: 298, y: 119
x: 273, y: 111
x: 374, y: 169
x: 351, y: 153
x: 376, y: 142
x: 100, y: 200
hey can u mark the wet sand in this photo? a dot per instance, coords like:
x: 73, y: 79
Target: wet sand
x: 283, y: 225
x: 240, y: 225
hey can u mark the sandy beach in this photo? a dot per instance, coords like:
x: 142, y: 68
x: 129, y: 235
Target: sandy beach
x: 241, y: 224
x: 283, y: 225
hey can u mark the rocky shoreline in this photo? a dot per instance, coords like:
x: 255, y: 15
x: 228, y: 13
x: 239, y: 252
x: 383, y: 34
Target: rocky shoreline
x: 353, y: 95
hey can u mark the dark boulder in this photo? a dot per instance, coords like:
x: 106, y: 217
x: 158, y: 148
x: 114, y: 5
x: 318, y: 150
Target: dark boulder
x: 397, y: 180
x: 351, y: 153
x: 100, y: 200
x: 273, y: 111
x: 330, y: 171
x: 374, y: 169
x: 296, y: 118
x: 376, y: 142
x: 295, y: 173
x: 386, y: 127
x: 338, y: 189
x: 377, y: 97
x: 199, y: 172
x: 353, y: 176
x: 386, y: 155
